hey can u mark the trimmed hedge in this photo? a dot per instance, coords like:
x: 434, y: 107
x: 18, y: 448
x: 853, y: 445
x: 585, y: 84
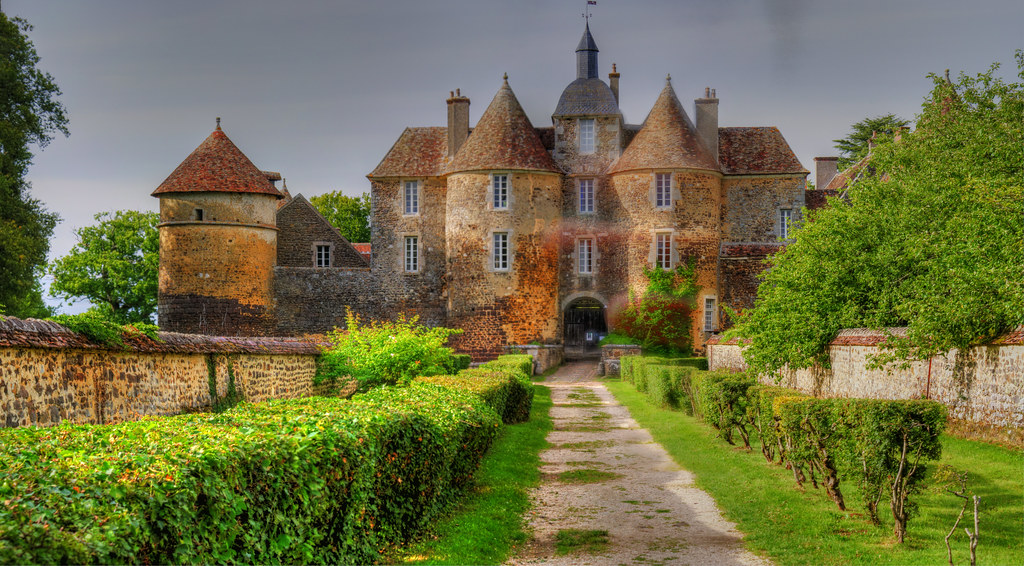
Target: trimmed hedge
x: 306, y: 480
x: 883, y: 445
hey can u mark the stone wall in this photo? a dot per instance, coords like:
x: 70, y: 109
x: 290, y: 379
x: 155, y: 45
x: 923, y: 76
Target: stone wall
x: 50, y: 375
x: 301, y: 228
x: 611, y: 357
x: 983, y: 385
x: 313, y: 300
x: 544, y: 357
x: 216, y: 274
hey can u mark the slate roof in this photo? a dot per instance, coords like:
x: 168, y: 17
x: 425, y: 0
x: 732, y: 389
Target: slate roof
x: 419, y: 152
x: 217, y: 165
x: 587, y: 97
x: 756, y: 150
x: 503, y: 139
x: 667, y: 140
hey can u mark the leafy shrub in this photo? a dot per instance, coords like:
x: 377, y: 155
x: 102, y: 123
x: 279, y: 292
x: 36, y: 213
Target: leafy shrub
x: 765, y: 421
x: 660, y: 324
x: 887, y: 446
x: 669, y: 386
x: 307, y: 480
x: 816, y: 433
x: 723, y: 399
x: 617, y: 338
x: 459, y: 362
x: 385, y: 352
x: 505, y: 391
x: 99, y: 326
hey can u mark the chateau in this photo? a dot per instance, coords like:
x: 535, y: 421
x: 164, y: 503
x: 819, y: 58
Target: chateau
x: 512, y: 232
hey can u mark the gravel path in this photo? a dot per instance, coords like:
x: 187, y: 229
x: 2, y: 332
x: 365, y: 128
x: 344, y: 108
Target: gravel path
x: 647, y: 504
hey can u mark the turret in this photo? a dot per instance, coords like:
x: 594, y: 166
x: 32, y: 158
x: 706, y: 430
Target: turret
x: 218, y: 243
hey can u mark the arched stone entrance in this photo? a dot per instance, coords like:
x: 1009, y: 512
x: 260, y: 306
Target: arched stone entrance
x: 584, y: 326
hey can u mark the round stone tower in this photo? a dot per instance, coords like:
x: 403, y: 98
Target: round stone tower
x: 670, y: 189
x: 218, y: 243
x: 503, y: 204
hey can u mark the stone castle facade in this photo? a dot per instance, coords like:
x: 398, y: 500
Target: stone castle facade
x: 512, y: 232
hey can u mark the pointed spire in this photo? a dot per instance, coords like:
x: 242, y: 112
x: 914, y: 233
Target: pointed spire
x: 667, y: 140
x: 217, y: 165
x: 586, y: 56
x: 504, y: 138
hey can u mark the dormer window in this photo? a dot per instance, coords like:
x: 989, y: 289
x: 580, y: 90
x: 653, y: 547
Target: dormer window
x: 586, y: 135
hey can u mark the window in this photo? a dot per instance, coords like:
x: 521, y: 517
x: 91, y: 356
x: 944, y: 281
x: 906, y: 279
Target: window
x: 500, y: 191
x: 412, y: 197
x: 586, y: 135
x: 586, y: 195
x: 709, y: 314
x: 663, y: 250
x: 499, y: 251
x: 585, y: 255
x: 323, y: 255
x: 412, y: 254
x: 663, y: 190
x: 785, y: 219
x: 199, y: 214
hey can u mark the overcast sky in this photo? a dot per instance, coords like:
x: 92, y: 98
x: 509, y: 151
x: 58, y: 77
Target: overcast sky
x: 319, y: 90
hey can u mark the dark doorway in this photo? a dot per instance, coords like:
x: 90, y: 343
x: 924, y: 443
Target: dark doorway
x: 585, y: 326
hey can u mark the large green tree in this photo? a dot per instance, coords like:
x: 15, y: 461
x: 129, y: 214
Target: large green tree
x: 350, y: 215
x: 856, y: 144
x: 933, y: 240
x: 30, y: 114
x: 114, y: 265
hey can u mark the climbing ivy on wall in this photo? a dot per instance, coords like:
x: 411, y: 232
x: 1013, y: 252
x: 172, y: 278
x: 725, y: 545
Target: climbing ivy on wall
x: 232, y: 396
x: 659, y: 319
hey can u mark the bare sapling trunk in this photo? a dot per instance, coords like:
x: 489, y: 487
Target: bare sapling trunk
x: 901, y: 489
x: 974, y: 536
x: 871, y: 502
x: 958, y: 493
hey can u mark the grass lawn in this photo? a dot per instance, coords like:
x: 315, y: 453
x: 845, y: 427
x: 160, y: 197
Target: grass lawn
x: 490, y: 520
x: 802, y: 526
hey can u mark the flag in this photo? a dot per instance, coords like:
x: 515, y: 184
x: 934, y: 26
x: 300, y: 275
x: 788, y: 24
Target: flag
x: 591, y: 2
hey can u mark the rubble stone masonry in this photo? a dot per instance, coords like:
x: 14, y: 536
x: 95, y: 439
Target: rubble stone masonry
x: 983, y: 385
x: 50, y: 375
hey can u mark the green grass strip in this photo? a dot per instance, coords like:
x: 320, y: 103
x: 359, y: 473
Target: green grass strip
x: 490, y: 519
x: 791, y: 526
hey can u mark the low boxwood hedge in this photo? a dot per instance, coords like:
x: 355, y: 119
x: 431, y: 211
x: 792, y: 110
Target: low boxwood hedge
x: 305, y: 480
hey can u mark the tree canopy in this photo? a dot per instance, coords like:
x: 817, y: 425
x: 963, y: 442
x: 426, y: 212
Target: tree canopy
x: 933, y: 240
x: 114, y: 265
x: 30, y: 114
x: 856, y: 144
x: 350, y: 215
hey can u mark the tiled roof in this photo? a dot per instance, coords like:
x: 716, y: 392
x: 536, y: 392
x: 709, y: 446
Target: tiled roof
x: 364, y: 250
x: 586, y: 97
x: 738, y: 250
x: 756, y: 150
x: 217, y: 165
x: 419, y: 152
x: 31, y: 333
x: 846, y: 176
x: 667, y: 140
x: 818, y: 198
x: 503, y: 139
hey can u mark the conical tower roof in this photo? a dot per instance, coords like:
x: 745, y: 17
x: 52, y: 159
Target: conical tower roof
x: 217, y: 165
x: 667, y: 140
x: 503, y: 139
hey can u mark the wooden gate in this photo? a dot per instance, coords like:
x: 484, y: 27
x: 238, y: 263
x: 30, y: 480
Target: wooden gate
x: 585, y: 325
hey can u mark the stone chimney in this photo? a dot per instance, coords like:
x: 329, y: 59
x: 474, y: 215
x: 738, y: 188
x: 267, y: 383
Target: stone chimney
x: 706, y: 110
x: 825, y: 169
x: 613, y: 82
x: 458, y: 121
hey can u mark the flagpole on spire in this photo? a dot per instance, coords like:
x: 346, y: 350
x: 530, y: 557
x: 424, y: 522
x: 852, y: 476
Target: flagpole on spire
x: 586, y: 13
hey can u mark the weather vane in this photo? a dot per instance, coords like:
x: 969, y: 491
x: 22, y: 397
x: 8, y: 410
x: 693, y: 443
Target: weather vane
x: 586, y: 14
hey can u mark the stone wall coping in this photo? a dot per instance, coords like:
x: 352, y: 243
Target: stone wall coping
x: 633, y: 346
x: 872, y: 337
x: 528, y: 346
x: 33, y: 333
